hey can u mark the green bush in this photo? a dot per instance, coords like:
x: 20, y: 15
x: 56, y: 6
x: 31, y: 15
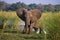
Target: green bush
x: 52, y: 24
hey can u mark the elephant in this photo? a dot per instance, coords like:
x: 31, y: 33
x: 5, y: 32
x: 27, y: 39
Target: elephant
x: 30, y: 18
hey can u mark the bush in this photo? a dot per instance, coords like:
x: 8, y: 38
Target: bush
x: 51, y: 22
x: 7, y: 18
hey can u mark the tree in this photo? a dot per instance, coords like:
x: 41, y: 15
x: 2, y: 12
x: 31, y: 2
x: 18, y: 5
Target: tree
x: 57, y: 7
x: 51, y: 7
x: 4, y: 5
x: 32, y: 6
x: 40, y: 7
x: 17, y: 5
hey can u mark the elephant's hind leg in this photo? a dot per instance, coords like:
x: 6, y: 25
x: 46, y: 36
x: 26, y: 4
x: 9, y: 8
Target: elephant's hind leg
x: 38, y: 31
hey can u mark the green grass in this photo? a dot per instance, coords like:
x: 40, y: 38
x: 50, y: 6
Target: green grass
x: 49, y: 21
x: 6, y: 17
x: 19, y: 36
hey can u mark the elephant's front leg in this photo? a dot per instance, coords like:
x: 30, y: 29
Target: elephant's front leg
x: 25, y: 29
x: 31, y: 26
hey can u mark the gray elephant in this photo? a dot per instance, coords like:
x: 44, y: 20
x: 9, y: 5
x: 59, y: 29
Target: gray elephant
x: 30, y: 18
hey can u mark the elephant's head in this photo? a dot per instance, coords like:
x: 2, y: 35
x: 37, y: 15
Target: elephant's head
x: 21, y: 13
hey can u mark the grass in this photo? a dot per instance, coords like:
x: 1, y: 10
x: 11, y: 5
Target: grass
x: 9, y: 19
x: 50, y: 22
x: 19, y: 36
x: 52, y: 25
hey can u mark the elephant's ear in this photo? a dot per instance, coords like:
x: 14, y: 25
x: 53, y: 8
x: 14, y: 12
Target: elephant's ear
x: 25, y: 12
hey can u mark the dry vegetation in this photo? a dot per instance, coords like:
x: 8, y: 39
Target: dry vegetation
x: 49, y: 20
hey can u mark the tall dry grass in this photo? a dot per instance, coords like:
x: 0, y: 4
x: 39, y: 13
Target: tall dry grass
x: 9, y: 19
x: 50, y: 22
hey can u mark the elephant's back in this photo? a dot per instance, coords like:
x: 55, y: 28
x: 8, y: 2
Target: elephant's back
x: 35, y: 14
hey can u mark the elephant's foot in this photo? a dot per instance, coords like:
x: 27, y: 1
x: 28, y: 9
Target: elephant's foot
x: 23, y: 32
